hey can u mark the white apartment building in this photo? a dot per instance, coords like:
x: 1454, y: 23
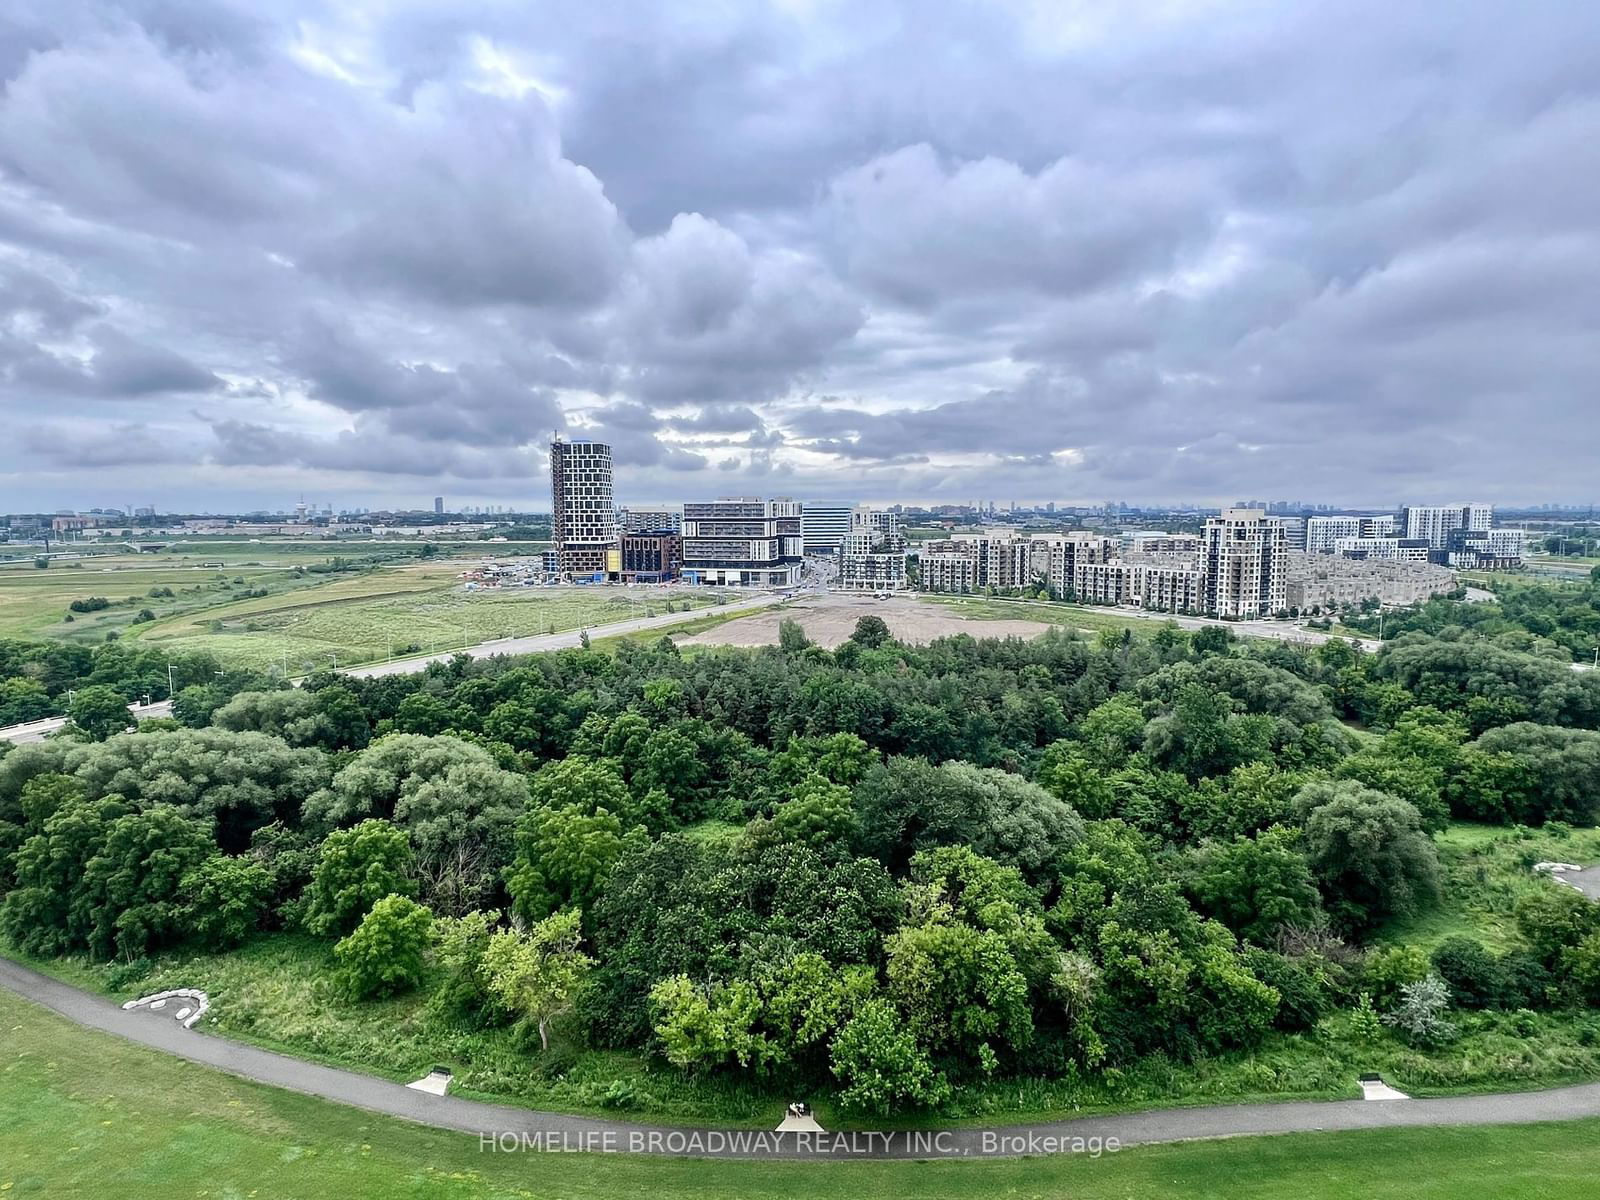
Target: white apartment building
x: 1243, y: 564
x: 1175, y: 589
x: 1324, y: 533
x: 1383, y: 548
x: 1489, y: 549
x: 874, y: 553
x: 1435, y: 523
x: 583, y: 510
x: 954, y: 571
x: 1154, y: 542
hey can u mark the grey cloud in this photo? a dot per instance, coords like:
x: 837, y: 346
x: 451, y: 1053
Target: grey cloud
x: 921, y: 250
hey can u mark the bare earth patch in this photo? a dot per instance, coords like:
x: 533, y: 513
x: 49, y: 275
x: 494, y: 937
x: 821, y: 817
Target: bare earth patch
x: 828, y: 620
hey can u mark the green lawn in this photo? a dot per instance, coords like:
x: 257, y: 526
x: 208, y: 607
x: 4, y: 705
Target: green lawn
x: 83, y: 1114
x: 34, y: 603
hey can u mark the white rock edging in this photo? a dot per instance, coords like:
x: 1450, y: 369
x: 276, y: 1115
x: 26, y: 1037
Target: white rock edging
x: 159, y: 999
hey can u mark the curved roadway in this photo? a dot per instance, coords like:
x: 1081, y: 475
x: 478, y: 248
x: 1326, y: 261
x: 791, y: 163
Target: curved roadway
x: 505, y: 1126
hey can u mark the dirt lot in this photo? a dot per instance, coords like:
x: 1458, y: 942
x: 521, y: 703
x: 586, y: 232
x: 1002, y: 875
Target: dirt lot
x: 829, y: 619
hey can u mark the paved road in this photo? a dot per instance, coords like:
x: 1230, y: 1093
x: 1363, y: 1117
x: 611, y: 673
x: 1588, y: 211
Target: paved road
x: 511, y: 1125
x: 35, y: 731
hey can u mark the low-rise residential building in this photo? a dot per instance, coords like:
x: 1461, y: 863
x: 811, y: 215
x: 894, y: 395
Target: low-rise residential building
x: 1333, y: 581
x: 1174, y: 589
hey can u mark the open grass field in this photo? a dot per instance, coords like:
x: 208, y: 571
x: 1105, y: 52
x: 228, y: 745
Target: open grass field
x: 830, y: 619
x: 83, y: 1114
x: 397, y: 611
x: 33, y: 603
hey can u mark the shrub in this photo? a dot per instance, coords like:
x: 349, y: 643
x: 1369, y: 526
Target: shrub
x: 1389, y: 969
x: 385, y: 953
x: 1553, y: 918
x: 1475, y: 976
x: 1420, y: 1016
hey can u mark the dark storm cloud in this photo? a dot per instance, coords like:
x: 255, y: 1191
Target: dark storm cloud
x: 928, y: 250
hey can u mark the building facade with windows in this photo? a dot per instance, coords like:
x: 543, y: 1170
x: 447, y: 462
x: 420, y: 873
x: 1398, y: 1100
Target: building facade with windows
x: 743, y: 541
x: 824, y: 526
x: 650, y: 519
x: 651, y: 557
x: 1435, y: 523
x: 1243, y: 564
x: 583, y: 509
x: 873, y: 558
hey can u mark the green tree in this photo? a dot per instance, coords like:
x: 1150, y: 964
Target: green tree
x: 564, y: 857
x: 1368, y: 851
x: 792, y: 637
x: 871, y: 632
x: 99, y: 711
x: 356, y: 868
x: 882, y: 1067
x: 906, y: 805
x: 132, y: 884
x: 1254, y: 885
x: 224, y: 900
x: 538, y: 974
x: 49, y: 911
x: 459, y: 946
x: 385, y: 953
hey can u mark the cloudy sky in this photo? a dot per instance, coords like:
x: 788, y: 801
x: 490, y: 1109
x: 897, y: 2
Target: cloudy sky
x: 373, y: 252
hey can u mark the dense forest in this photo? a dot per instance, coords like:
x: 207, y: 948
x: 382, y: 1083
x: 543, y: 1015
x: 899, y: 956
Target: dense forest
x: 887, y: 868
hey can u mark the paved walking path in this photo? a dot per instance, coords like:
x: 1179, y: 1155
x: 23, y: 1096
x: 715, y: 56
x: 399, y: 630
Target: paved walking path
x: 503, y: 1126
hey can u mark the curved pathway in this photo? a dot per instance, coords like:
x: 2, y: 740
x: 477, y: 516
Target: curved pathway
x: 505, y: 1128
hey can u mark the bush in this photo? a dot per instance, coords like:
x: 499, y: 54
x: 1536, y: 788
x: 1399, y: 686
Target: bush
x: 1420, y: 1016
x: 89, y: 604
x: 1389, y: 969
x: 1528, y: 983
x: 385, y: 953
x: 1475, y: 976
x: 1553, y: 918
x: 1302, y: 989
